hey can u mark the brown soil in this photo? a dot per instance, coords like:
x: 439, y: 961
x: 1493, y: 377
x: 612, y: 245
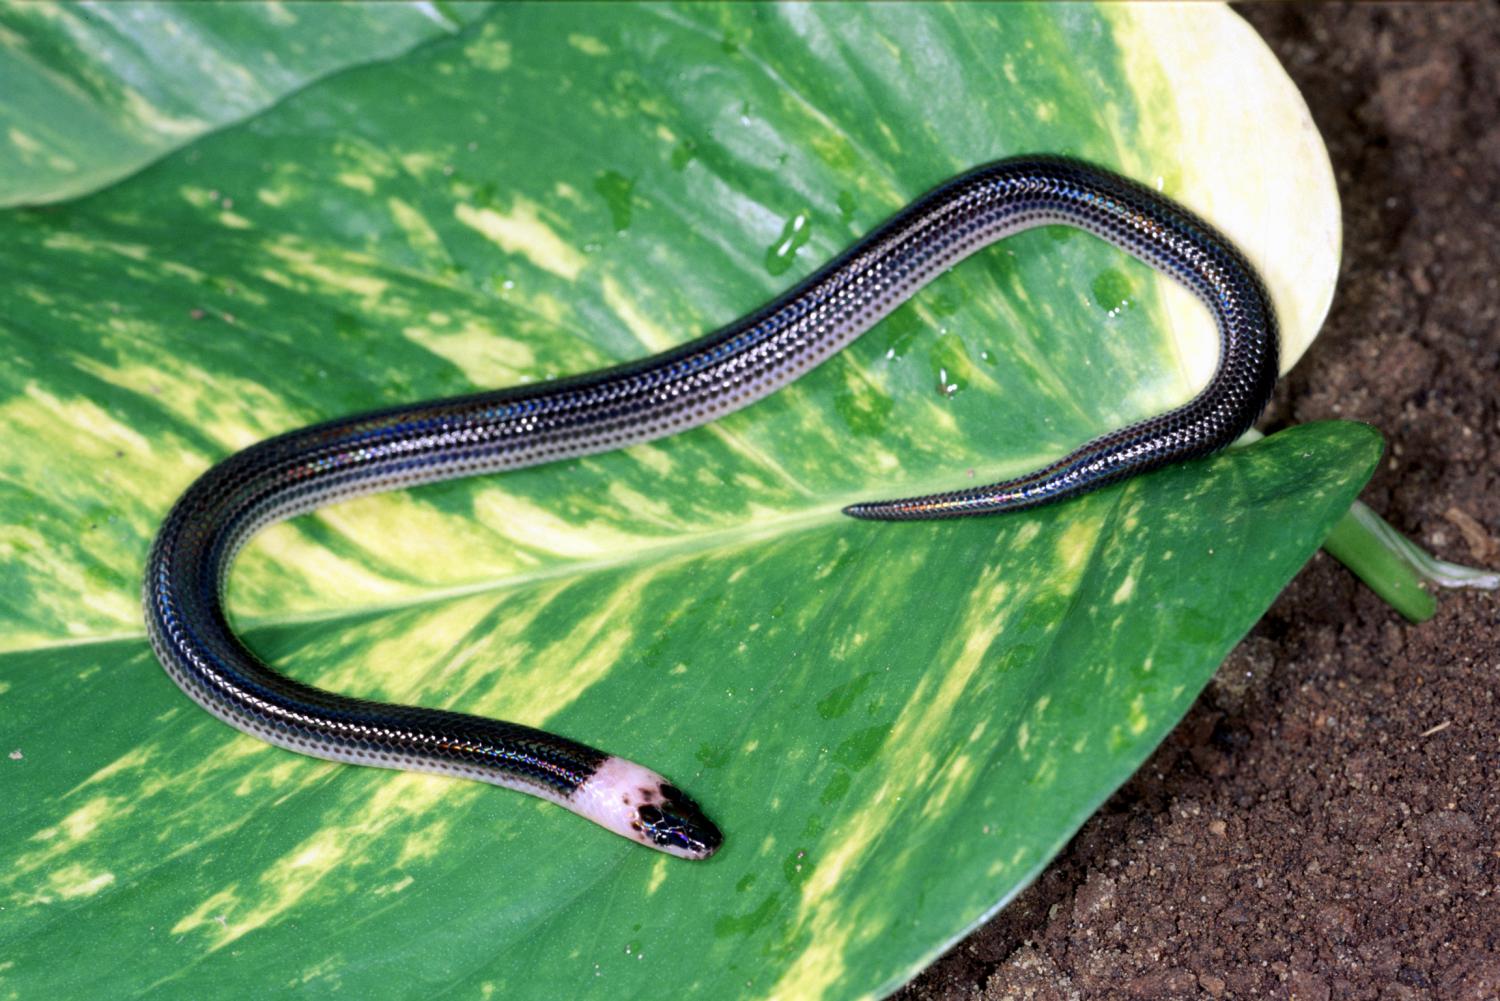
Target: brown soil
x: 1323, y: 824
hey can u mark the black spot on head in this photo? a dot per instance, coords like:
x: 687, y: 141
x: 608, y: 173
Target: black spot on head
x: 650, y: 814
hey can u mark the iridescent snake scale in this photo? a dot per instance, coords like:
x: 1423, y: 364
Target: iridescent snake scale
x: 657, y: 396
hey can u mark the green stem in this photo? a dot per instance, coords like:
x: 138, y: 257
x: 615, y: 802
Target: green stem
x: 1428, y: 567
x: 1366, y: 552
x: 1389, y: 563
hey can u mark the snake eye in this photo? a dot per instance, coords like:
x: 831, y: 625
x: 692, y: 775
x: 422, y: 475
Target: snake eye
x: 650, y: 815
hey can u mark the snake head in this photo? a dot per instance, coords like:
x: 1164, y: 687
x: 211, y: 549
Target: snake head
x: 636, y: 802
x: 676, y: 824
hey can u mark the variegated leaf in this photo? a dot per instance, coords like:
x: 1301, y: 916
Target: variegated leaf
x: 90, y: 92
x: 897, y: 725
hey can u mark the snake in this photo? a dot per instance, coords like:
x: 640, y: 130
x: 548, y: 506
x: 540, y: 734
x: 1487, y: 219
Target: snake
x: 676, y: 389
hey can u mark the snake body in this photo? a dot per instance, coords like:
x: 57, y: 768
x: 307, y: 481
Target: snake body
x: 657, y: 396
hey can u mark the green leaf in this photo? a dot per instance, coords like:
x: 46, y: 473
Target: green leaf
x: 897, y: 725
x: 93, y: 93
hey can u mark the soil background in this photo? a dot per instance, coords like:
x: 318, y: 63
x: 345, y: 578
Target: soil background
x: 1323, y: 824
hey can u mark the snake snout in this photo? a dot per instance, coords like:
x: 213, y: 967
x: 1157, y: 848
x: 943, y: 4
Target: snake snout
x: 677, y: 824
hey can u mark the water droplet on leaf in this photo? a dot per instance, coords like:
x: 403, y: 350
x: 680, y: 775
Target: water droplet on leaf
x: 1113, y: 291
x: 794, y: 235
x: 616, y: 189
